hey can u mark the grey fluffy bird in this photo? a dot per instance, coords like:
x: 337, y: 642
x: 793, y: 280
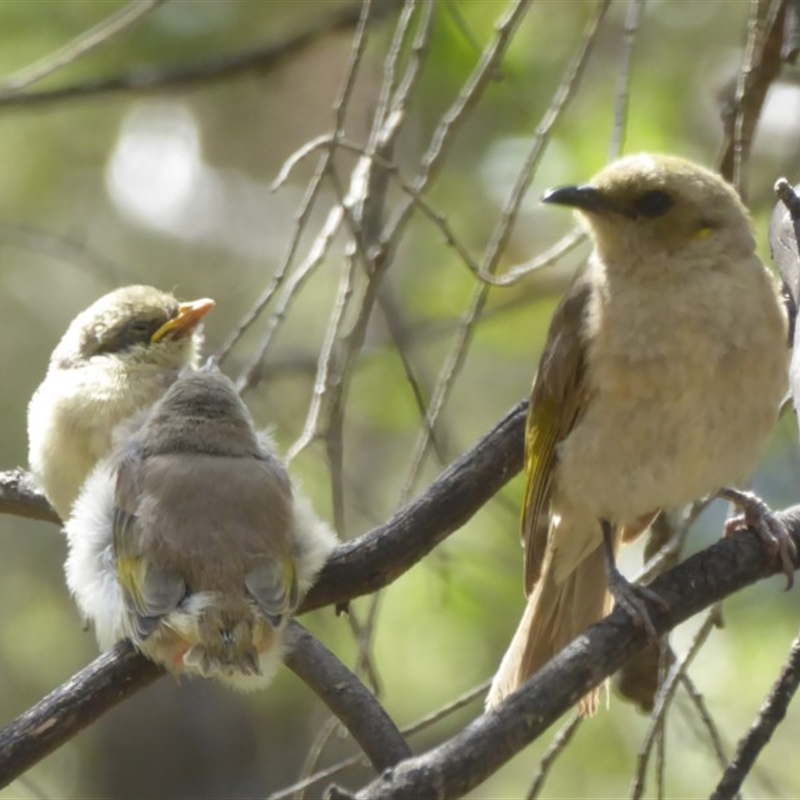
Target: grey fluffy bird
x: 191, y: 540
x: 116, y: 358
x: 660, y: 382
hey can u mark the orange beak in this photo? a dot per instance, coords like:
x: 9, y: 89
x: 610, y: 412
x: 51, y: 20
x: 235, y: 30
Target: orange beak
x: 185, y: 321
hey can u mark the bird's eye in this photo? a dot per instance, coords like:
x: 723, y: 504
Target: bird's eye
x: 134, y: 332
x: 141, y: 330
x: 653, y: 204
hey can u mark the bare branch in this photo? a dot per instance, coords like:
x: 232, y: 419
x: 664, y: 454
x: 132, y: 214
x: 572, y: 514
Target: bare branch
x: 557, y: 747
x: 202, y: 73
x: 108, y: 680
x: 80, y: 46
x: 771, y: 714
x: 20, y: 496
x: 415, y: 727
x: 664, y: 697
x: 466, y: 760
x: 352, y: 703
x: 761, y: 67
x: 116, y: 675
x: 377, y: 558
x: 455, y: 359
x: 632, y: 18
x: 252, y: 373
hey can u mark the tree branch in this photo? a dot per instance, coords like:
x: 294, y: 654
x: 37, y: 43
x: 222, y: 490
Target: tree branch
x: 356, y: 568
x: 80, y: 46
x: 377, y: 558
x: 151, y: 79
x: 344, y: 694
x: 116, y: 675
x: 20, y: 496
x: 768, y: 719
x: 107, y: 681
x: 466, y: 760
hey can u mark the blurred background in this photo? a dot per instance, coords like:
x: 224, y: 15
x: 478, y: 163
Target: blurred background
x: 152, y: 159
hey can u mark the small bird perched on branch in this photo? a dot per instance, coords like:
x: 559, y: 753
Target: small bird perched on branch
x: 190, y: 540
x: 660, y: 382
x: 116, y: 359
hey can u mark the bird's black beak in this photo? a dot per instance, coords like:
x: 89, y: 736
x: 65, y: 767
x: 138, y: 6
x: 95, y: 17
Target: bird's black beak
x: 585, y: 198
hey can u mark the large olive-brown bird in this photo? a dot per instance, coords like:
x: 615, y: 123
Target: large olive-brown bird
x: 191, y: 540
x: 116, y: 359
x: 659, y: 383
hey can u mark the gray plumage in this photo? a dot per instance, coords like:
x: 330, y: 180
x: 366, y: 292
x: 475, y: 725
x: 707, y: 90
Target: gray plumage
x: 191, y: 540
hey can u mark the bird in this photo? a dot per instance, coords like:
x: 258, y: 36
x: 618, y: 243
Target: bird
x: 191, y: 540
x: 116, y: 358
x: 659, y: 383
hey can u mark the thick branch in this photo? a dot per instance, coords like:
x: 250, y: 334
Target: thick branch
x: 466, y: 760
x: 118, y: 674
x: 379, y: 557
x: 356, y: 568
x: 375, y: 559
x: 354, y: 705
x: 107, y: 681
x: 20, y: 496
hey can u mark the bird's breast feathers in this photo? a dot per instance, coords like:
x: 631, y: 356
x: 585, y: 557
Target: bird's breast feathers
x: 672, y: 373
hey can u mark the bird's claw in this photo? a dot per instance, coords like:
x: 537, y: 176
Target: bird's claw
x: 758, y: 516
x: 632, y: 599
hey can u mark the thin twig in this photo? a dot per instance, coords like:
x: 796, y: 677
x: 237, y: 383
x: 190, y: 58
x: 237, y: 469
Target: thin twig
x: 760, y: 67
x: 345, y: 335
x: 769, y: 717
x: 415, y: 727
x: 81, y: 45
x: 510, y: 277
x: 252, y: 371
x: 663, y: 699
x: 315, y: 750
x: 205, y: 71
x: 703, y: 712
x: 632, y: 18
x: 494, y: 249
x: 557, y: 747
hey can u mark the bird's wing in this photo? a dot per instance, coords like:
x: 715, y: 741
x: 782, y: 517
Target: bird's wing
x: 224, y: 524
x: 273, y: 585
x: 558, y: 398
x: 150, y: 592
x: 273, y: 582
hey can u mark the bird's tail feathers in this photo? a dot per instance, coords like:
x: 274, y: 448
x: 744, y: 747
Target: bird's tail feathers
x: 555, y: 614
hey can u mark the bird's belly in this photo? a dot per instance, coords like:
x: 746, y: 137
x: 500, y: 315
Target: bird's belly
x: 636, y: 452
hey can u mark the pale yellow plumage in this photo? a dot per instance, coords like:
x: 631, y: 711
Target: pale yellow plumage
x: 116, y: 358
x: 660, y: 382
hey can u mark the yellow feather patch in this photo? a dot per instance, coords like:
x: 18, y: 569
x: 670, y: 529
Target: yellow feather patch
x: 129, y: 575
x: 703, y: 233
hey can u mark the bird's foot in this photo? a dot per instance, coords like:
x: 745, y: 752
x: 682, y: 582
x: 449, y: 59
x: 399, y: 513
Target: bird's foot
x: 632, y: 599
x: 758, y: 516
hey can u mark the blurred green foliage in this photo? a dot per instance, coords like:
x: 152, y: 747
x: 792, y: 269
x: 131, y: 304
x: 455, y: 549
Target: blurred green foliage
x: 66, y: 237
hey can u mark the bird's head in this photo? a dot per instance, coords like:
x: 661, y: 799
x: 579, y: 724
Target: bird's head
x: 136, y: 324
x: 645, y: 206
x: 201, y: 412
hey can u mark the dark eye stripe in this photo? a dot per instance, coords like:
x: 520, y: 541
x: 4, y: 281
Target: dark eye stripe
x: 653, y: 204
x: 135, y: 331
